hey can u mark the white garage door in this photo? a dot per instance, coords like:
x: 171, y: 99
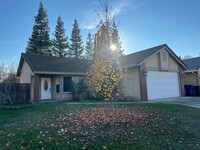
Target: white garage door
x: 162, y: 85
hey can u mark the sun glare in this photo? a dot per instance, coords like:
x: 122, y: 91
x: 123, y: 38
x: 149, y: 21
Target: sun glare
x: 113, y: 47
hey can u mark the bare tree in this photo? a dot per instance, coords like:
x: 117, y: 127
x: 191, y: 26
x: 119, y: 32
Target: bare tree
x: 7, y: 78
x: 3, y: 72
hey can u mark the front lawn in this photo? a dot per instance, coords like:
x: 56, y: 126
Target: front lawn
x: 132, y: 126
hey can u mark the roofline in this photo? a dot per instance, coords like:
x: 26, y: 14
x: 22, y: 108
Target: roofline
x: 19, y: 67
x: 176, y: 57
x: 149, y: 57
x: 129, y: 66
x: 22, y: 58
x: 23, y: 55
x: 189, y: 71
x: 59, y: 73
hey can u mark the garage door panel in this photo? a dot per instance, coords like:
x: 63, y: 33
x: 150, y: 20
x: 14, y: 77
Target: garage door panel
x: 162, y: 85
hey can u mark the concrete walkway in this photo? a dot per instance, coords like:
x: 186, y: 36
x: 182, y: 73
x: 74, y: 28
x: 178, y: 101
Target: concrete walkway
x: 98, y: 103
x: 187, y: 101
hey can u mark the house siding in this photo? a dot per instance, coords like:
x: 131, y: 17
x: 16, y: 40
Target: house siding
x: 173, y: 64
x: 25, y: 76
x: 164, y: 60
x: 152, y: 63
x: 131, y: 85
x: 190, y: 79
x: 156, y: 63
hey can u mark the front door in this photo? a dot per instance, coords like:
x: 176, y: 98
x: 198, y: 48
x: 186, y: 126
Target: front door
x: 45, y: 88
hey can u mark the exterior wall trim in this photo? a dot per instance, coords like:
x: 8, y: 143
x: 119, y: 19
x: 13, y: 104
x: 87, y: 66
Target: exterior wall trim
x: 143, y: 83
x: 37, y: 88
x: 59, y: 73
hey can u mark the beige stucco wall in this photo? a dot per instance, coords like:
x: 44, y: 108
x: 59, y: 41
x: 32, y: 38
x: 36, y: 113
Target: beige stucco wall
x: 131, y: 85
x: 152, y: 62
x: 25, y: 76
x: 190, y: 79
x: 173, y: 64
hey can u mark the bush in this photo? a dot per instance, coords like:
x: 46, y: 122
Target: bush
x: 78, y: 87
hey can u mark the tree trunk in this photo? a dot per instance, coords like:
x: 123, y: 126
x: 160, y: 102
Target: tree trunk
x: 112, y: 106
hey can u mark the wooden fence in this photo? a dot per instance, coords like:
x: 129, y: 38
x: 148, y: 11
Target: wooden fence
x: 16, y: 92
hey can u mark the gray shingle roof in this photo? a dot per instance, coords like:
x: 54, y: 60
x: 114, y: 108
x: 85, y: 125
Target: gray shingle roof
x: 192, y: 63
x: 43, y: 63
x: 134, y: 59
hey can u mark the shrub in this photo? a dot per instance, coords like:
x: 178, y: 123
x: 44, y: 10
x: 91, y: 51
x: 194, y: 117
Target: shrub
x: 78, y: 87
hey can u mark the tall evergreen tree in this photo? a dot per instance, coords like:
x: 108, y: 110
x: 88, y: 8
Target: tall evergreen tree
x: 115, y: 40
x: 60, y: 43
x: 39, y: 42
x: 76, y: 48
x: 89, y: 48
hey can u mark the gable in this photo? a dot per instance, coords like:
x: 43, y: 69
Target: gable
x: 25, y: 73
x: 164, y: 59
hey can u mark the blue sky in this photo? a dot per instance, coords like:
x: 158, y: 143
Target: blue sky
x: 142, y: 23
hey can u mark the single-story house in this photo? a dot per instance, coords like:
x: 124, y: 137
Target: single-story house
x: 151, y: 74
x: 192, y: 76
x: 50, y: 76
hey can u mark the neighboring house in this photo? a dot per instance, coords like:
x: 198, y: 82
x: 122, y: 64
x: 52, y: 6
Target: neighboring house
x: 192, y: 76
x: 153, y: 73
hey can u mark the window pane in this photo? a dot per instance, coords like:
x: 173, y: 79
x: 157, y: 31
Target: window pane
x: 67, y: 84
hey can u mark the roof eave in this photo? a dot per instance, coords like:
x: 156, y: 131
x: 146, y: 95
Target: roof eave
x: 19, y: 68
x: 189, y: 71
x: 22, y: 58
x: 59, y: 73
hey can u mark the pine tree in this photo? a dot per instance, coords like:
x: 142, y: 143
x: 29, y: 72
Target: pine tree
x: 76, y: 48
x: 39, y: 42
x: 89, y: 48
x: 60, y: 43
x: 102, y: 39
x: 115, y: 40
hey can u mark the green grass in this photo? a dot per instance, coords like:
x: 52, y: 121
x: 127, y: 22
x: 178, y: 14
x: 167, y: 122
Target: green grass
x: 164, y: 126
x: 18, y: 104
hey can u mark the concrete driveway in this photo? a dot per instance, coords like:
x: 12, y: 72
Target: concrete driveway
x: 187, y: 101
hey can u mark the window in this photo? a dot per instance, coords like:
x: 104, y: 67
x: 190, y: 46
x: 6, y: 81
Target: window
x: 67, y: 84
